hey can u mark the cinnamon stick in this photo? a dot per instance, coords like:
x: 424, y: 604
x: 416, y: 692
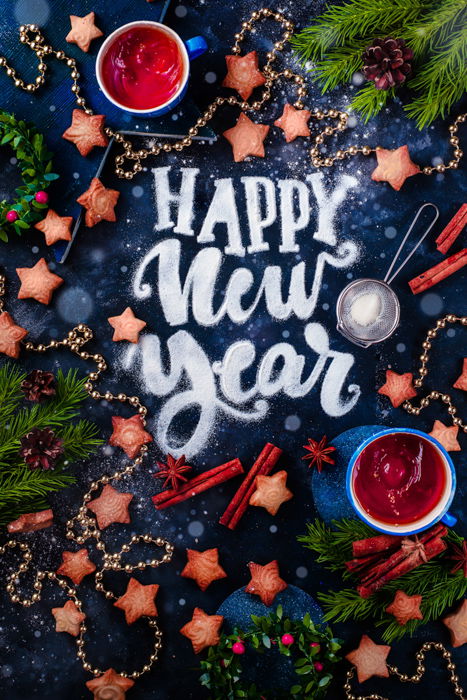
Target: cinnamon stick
x: 264, y: 464
x: 432, y: 549
x: 199, y: 483
x: 379, y: 543
x: 452, y: 231
x: 439, y: 272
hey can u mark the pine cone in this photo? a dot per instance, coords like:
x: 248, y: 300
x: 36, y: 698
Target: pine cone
x: 41, y: 448
x: 387, y: 62
x: 38, y: 385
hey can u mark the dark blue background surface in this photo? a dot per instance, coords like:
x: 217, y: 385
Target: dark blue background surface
x: 35, y: 662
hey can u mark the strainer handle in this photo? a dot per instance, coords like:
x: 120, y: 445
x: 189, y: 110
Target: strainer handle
x: 389, y: 278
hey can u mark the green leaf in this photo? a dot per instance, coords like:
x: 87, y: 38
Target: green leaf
x: 49, y: 177
x: 325, y: 680
x: 279, y: 612
x: 266, y: 641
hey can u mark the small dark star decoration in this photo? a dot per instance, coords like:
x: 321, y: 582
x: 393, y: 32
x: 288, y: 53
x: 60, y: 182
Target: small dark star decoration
x: 318, y: 452
x: 172, y: 471
x: 459, y: 555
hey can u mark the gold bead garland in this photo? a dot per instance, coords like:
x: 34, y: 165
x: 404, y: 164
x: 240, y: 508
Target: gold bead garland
x: 31, y: 35
x: 423, y: 372
x: 74, y: 341
x: 417, y: 676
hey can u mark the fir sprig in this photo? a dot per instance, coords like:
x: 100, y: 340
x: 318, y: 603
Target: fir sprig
x: 434, y: 29
x: 433, y: 581
x: 24, y: 490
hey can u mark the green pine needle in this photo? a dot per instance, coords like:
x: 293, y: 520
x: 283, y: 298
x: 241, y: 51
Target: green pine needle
x: 24, y: 490
x: 433, y: 581
x: 436, y: 31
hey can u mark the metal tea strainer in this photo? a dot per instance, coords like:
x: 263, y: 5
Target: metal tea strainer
x: 368, y: 310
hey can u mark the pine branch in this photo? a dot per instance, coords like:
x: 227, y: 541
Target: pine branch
x: 369, y: 101
x: 10, y: 382
x: 434, y: 29
x: 340, y: 65
x: 334, y: 547
x: 79, y: 439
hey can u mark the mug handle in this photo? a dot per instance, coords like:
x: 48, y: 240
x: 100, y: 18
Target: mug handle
x: 196, y: 46
x: 449, y: 520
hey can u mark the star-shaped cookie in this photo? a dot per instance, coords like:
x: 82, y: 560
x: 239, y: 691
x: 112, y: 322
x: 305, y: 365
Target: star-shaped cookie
x: 369, y: 659
x: 55, y: 228
x: 111, y: 507
x: 68, y: 618
x: 293, y: 122
x: 398, y: 387
x: 10, y: 336
x: 265, y: 581
x: 83, y: 31
x: 138, y: 600
x: 30, y: 522
x: 405, y: 607
x: 243, y: 74
x: 99, y: 202
x: 76, y: 565
x: 461, y: 382
x: 38, y: 282
x: 110, y: 685
x: 447, y: 436
x: 126, y: 326
x: 86, y: 131
x: 246, y: 138
x: 394, y: 166
x: 271, y: 492
x: 203, y: 567
x: 202, y: 630
x: 456, y: 623
x: 129, y: 434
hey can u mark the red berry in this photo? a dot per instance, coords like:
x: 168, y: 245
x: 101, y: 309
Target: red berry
x: 318, y: 666
x: 41, y: 197
x: 287, y: 640
x: 12, y: 215
x: 238, y: 648
x: 314, y: 644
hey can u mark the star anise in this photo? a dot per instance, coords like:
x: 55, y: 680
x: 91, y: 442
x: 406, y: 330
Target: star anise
x: 172, y: 471
x: 318, y: 452
x: 460, y: 557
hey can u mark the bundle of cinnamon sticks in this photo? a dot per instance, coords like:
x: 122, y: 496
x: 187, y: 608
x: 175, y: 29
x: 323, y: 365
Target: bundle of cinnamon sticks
x: 378, y: 560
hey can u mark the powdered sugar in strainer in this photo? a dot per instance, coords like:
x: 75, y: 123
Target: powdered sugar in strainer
x: 368, y: 310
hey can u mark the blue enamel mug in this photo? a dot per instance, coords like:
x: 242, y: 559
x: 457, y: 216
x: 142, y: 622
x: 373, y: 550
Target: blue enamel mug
x: 188, y: 50
x: 439, y: 512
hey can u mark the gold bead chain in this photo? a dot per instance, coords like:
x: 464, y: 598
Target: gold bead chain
x: 75, y: 340
x: 31, y: 35
x: 423, y: 372
x: 416, y: 678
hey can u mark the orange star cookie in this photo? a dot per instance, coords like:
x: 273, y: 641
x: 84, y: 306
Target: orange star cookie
x: 86, y: 131
x: 394, y: 166
x: 55, y: 228
x: 99, y: 203
x: 461, y: 382
x: 265, y: 581
x: 405, y: 607
x: 456, y: 623
x: 129, y: 434
x: 111, y: 507
x: 38, y: 282
x: 76, y: 565
x: 30, y: 522
x: 246, y: 138
x: 447, y: 436
x: 271, y: 492
x: 138, y: 600
x: 369, y: 659
x: 398, y: 387
x: 243, y: 74
x: 126, y: 326
x: 83, y: 31
x: 202, y: 630
x: 10, y: 335
x: 203, y: 567
x: 293, y: 122
x: 68, y: 618
x: 110, y: 685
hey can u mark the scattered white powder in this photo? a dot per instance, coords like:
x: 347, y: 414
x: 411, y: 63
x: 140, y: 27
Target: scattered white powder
x: 366, y: 309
